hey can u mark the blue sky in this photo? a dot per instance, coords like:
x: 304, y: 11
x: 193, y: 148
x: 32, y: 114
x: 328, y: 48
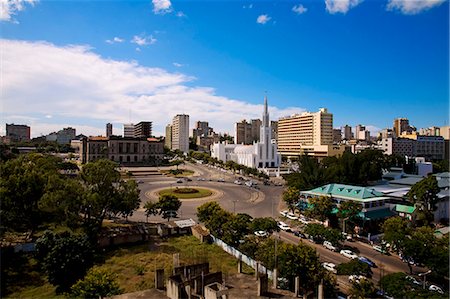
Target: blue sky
x: 85, y: 63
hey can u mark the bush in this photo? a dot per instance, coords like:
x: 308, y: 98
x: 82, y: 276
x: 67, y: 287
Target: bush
x: 186, y: 190
x: 97, y: 283
x: 355, y: 267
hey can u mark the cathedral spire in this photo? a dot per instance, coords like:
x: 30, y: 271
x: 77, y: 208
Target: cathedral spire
x: 265, y: 118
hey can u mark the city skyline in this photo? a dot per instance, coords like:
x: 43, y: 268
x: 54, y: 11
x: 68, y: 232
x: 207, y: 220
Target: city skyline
x: 368, y: 62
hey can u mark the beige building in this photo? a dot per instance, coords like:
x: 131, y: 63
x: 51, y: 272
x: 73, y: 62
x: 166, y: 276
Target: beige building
x: 180, y: 132
x: 400, y: 125
x: 168, y: 140
x: 308, y: 132
x: 124, y: 150
x: 247, y: 132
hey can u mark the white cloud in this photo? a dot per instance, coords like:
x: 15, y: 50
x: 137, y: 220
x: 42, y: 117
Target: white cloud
x: 412, y: 7
x: 299, y: 9
x: 341, y: 6
x: 9, y: 8
x: 142, y: 40
x: 177, y: 64
x: 115, y: 40
x: 250, y: 6
x: 162, y: 6
x: 181, y: 14
x: 373, y: 130
x: 85, y: 90
x: 263, y: 19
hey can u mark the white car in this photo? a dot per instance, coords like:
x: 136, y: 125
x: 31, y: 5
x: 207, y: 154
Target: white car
x: 284, y: 213
x: 330, y: 267
x: 348, y: 253
x: 329, y: 246
x: 221, y: 180
x: 303, y: 219
x: 413, y: 280
x: 435, y: 288
x: 284, y: 226
x: 261, y: 233
x: 356, y: 278
x: 238, y: 182
x: 291, y: 216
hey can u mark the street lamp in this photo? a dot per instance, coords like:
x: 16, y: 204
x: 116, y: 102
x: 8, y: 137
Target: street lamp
x: 424, y: 277
x: 234, y: 206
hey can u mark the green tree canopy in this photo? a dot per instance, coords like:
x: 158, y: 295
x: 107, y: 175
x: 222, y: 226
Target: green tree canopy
x: 321, y: 208
x: 168, y: 203
x: 291, y: 197
x: 425, y: 191
x: 98, y: 283
x: 266, y: 224
x: 65, y: 258
x: 354, y: 267
x: 364, y: 289
x: 396, y: 230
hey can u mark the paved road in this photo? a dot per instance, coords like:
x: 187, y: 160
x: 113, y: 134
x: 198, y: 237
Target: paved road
x: 262, y: 202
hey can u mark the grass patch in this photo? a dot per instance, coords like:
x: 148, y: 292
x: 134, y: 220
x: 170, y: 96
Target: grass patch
x: 201, y: 193
x: 178, y: 174
x: 134, y: 266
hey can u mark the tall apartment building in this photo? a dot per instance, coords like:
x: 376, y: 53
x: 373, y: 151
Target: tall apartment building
x: 143, y: 129
x: 180, y: 132
x: 307, y: 133
x: 109, y: 129
x: 255, y: 130
x: 274, y: 127
x: 128, y: 130
x: 337, y: 136
x: 385, y: 133
x: 348, y: 135
x: 400, y: 125
x: 168, y: 140
x: 18, y: 132
x: 247, y: 132
x: 201, y: 128
x: 361, y: 133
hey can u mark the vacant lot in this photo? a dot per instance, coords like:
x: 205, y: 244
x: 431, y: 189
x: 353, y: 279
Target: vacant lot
x: 134, y: 266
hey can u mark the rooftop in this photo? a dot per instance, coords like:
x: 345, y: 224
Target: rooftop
x: 347, y: 192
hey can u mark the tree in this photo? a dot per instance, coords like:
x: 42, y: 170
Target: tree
x: 290, y: 197
x: 151, y: 208
x: 236, y: 228
x: 321, y: 207
x: 65, y: 258
x: 319, y: 233
x: 425, y: 191
x: 354, y: 267
x: 207, y: 210
x: 364, y: 289
x: 98, y: 283
x: 300, y: 260
x: 348, y: 210
x: 395, y: 230
x: 106, y: 194
x: 266, y: 224
x: 168, y: 203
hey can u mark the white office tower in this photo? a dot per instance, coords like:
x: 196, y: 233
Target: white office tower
x: 180, y: 133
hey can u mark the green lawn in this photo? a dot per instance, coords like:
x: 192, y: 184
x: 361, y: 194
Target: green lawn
x: 184, y: 173
x: 202, y: 193
x: 135, y: 266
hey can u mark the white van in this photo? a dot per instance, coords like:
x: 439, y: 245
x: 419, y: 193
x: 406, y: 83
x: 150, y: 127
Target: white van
x: 329, y: 246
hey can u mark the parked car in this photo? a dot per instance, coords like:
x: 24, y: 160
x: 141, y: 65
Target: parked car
x: 330, y: 267
x: 221, y: 180
x: 379, y: 248
x: 179, y: 181
x: 329, y: 246
x: 435, y: 288
x: 299, y: 234
x: 413, y: 280
x: 291, y: 216
x: 284, y: 226
x: 347, y: 237
x: 284, y: 213
x: 237, y: 182
x: 303, y: 219
x: 356, y: 278
x: 261, y: 233
x: 348, y: 253
x: 139, y: 182
x: 367, y: 261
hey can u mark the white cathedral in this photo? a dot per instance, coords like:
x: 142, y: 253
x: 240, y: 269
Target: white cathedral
x: 262, y: 154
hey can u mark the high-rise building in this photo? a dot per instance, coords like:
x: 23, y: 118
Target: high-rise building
x: 361, y: 133
x: 274, y: 126
x: 143, y: 129
x: 201, y: 128
x: 337, y: 135
x: 168, y: 140
x: 65, y: 135
x: 307, y: 133
x: 247, y: 132
x: 400, y: 125
x: 348, y: 135
x: 180, y: 132
x: 18, y: 132
x: 109, y: 129
x: 128, y: 130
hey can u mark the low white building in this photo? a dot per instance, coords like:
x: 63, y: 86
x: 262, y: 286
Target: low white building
x: 262, y: 155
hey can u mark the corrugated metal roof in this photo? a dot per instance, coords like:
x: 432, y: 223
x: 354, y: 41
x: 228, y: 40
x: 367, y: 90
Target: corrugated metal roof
x: 405, y: 209
x: 347, y: 191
